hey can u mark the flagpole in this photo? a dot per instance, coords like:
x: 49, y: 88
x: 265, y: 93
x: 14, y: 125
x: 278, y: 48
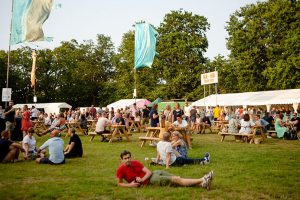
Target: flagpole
x: 134, y: 90
x: 8, y: 53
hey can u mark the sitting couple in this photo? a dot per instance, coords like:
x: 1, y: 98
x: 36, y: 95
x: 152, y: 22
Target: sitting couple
x: 174, y: 152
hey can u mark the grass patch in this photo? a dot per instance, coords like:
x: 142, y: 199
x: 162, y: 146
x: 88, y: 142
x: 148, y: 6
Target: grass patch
x: 242, y: 171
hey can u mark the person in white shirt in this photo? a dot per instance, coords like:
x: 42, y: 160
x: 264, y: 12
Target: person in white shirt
x: 28, y: 144
x: 166, y: 154
x: 34, y: 113
x: 181, y: 125
x: 100, y: 126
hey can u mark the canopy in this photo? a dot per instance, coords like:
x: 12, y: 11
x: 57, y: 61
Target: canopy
x: 158, y: 100
x: 291, y: 96
x: 48, y: 107
x: 127, y: 102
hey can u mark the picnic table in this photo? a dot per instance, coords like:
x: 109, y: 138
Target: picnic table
x: 38, y: 125
x: 135, y: 124
x: 246, y: 137
x: 75, y: 125
x: 117, y: 129
x: 153, y: 134
x: 218, y: 125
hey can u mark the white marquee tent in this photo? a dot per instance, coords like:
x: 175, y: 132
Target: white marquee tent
x: 267, y: 98
x: 48, y: 107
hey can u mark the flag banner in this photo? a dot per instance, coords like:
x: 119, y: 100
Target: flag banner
x: 145, y: 45
x: 27, y: 19
x: 33, y: 70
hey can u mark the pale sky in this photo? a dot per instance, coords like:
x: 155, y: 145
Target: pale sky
x: 83, y: 20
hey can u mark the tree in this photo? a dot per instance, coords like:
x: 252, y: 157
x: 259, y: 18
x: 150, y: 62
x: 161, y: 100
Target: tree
x: 264, y: 44
x: 181, y: 60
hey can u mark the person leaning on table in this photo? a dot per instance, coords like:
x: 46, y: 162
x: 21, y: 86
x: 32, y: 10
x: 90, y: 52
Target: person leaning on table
x: 137, y: 175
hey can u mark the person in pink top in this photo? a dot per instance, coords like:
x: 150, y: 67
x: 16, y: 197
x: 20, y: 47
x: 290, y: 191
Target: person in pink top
x: 25, y: 123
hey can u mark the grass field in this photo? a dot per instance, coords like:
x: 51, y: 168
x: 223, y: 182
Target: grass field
x: 270, y: 170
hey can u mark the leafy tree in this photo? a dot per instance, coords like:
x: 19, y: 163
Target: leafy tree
x: 264, y: 44
x: 181, y: 48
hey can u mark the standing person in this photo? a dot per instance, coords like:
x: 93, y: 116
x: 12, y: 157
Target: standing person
x: 74, y: 148
x: 9, y: 114
x: 187, y: 112
x: 29, y: 145
x: 56, y: 150
x: 93, y: 112
x: 177, y: 111
x: 193, y: 114
x: 136, y: 175
x: 2, y: 120
x: 154, y: 117
x: 34, y: 113
x: 145, y: 116
x: 26, y: 123
x: 168, y: 114
x: 216, y: 112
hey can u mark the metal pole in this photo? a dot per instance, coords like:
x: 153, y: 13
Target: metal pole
x: 8, y: 53
x: 134, y: 91
x: 216, y: 90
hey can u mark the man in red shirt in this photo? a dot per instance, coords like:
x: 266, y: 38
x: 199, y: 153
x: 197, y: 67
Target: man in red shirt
x: 136, y: 175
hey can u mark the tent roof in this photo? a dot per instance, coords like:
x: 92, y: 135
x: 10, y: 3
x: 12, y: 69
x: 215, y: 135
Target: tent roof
x: 125, y: 102
x: 252, y: 98
x: 156, y: 101
x: 44, y: 105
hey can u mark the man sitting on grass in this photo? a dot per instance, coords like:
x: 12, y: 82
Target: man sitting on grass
x: 56, y: 150
x: 136, y: 175
x: 74, y: 148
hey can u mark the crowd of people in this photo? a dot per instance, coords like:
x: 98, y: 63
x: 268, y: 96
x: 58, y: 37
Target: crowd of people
x: 172, y: 150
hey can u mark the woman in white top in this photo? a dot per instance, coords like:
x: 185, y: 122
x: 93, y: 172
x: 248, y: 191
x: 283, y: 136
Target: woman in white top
x: 246, y: 125
x: 28, y: 144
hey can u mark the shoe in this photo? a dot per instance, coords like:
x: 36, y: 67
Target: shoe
x: 269, y: 136
x: 207, y: 179
x: 207, y: 157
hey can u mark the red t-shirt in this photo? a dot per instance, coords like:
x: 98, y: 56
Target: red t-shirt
x: 129, y: 173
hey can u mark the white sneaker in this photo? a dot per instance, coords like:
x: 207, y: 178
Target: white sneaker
x: 269, y: 136
x: 207, y: 179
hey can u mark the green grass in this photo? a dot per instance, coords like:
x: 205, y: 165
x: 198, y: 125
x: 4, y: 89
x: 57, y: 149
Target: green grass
x: 270, y: 170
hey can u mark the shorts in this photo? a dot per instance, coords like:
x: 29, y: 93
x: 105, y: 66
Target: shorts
x: 47, y: 161
x: 9, y: 126
x: 160, y: 177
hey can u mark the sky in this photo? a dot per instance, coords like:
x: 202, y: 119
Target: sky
x: 84, y: 19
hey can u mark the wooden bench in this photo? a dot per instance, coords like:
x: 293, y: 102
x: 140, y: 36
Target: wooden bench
x: 153, y: 134
x: 247, y: 136
x: 272, y: 133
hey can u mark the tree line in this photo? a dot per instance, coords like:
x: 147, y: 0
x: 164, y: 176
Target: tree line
x: 264, y: 44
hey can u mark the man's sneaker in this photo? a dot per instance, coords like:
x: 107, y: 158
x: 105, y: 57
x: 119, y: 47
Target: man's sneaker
x: 269, y: 136
x: 207, y: 179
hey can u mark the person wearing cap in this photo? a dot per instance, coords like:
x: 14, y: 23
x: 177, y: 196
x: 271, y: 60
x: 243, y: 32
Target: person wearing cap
x: 136, y: 175
x: 56, y: 151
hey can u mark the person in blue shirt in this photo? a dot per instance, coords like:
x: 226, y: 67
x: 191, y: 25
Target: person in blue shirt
x: 56, y: 150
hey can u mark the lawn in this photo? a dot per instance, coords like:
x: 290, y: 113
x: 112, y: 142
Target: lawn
x: 270, y: 170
